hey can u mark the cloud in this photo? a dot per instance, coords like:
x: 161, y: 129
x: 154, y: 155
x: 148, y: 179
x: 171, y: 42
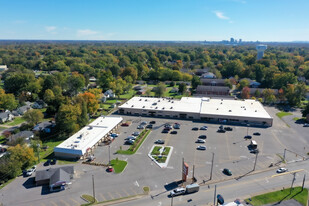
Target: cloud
x: 86, y: 32
x: 220, y: 15
x: 50, y: 28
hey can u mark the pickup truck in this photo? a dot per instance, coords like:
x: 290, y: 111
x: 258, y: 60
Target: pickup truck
x: 185, y: 190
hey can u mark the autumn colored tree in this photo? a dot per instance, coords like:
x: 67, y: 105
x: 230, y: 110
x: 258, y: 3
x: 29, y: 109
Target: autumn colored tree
x: 245, y: 93
x: 66, y: 118
x: 22, y: 154
x: 269, y: 96
x: 91, y: 101
x: 97, y: 92
x: 7, y: 101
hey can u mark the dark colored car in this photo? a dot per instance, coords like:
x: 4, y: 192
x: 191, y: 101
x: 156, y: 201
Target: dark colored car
x: 248, y: 137
x: 165, y: 131
x: 159, y: 141
x: 228, y: 128
x: 221, y: 130
x: 149, y: 126
x: 109, y: 169
x: 254, y: 151
x: 195, y: 128
x: 152, y: 122
x: 202, y: 136
x: 53, y: 161
x: 125, y: 124
x: 47, y: 163
x: 257, y: 133
x: 227, y: 172
x: 174, y: 132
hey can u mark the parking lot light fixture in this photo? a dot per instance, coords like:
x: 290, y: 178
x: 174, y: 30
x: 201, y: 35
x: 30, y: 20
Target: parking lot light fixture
x: 109, y: 155
x: 248, y: 125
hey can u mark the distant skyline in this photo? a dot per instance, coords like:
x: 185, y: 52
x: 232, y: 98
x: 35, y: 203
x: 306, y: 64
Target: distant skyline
x: 157, y: 20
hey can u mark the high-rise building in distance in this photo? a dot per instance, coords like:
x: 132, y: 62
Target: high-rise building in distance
x: 260, y: 51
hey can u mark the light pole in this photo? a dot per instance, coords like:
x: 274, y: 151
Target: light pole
x: 212, y: 165
x: 38, y: 151
x: 255, y: 161
x: 248, y: 125
x: 109, y: 155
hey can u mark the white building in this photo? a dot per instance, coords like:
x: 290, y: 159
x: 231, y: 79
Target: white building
x: 260, y: 51
x: 82, y: 143
x: 203, y: 108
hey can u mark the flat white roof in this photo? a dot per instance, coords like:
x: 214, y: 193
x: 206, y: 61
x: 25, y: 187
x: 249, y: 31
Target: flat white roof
x: 201, y: 105
x: 88, y: 136
x: 186, y: 104
x: 236, y: 108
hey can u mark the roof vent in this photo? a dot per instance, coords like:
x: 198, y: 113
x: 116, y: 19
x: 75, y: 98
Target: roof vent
x: 255, y: 110
x: 245, y: 108
x: 132, y: 105
x: 143, y: 106
x: 172, y: 101
x: 171, y: 107
x: 221, y: 103
x: 163, y: 108
x: 140, y: 99
x: 221, y: 99
x: 145, y: 100
x: 217, y: 108
x: 230, y: 110
x: 159, y: 100
x: 156, y: 107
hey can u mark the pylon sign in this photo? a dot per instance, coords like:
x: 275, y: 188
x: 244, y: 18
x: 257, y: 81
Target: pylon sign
x: 185, y: 169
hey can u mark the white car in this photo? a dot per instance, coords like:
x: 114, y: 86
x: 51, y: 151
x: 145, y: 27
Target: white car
x: 31, y: 171
x: 140, y: 127
x: 177, y: 191
x: 200, y: 141
x: 282, y: 170
x: 203, y: 128
x: 306, y: 125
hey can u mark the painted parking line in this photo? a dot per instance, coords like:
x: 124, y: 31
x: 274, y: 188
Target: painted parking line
x: 43, y: 204
x: 110, y: 194
x: 118, y: 194
x: 286, y: 173
x: 125, y: 191
x: 75, y: 202
x: 64, y: 203
x: 53, y: 203
x: 135, y: 193
x: 102, y: 196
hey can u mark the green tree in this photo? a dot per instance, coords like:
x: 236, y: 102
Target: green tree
x: 305, y: 112
x: 33, y: 116
x: 7, y: 101
x: 243, y: 83
x: 195, y: 82
x: 105, y: 78
x: 269, y: 96
x: 49, y: 96
x: 22, y: 154
x: 160, y: 89
x: 295, y: 93
x: 75, y: 83
x: 67, y: 116
x: 182, y: 88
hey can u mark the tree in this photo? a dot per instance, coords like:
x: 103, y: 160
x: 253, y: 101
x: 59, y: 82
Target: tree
x: 83, y: 118
x: 232, y: 68
x: 245, y: 93
x: 228, y: 83
x: 22, y: 154
x: 129, y: 71
x: 33, y: 116
x: 97, y: 92
x: 18, y: 82
x: 105, y: 78
x: 49, y: 96
x: 195, y: 82
x: 7, y: 101
x: 182, y: 88
x: 295, y: 93
x: 91, y: 102
x: 160, y: 89
x: 67, y: 116
x: 243, y: 83
x: 75, y: 83
x: 305, y: 112
x: 269, y: 96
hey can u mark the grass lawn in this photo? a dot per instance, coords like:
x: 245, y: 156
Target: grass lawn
x: 118, y: 165
x: 282, y: 114
x: 2, y: 139
x: 298, y: 118
x: 128, y: 95
x: 16, y: 121
x: 155, y: 150
x: 166, y: 150
x: 45, y: 153
x: 111, y: 101
x: 89, y: 198
x: 281, y: 195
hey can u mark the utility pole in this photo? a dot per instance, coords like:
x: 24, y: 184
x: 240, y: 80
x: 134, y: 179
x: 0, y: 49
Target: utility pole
x: 93, y: 188
x: 212, y: 165
x: 302, y: 187
x: 193, y: 173
x: 255, y: 161
x: 109, y: 155
x: 215, y: 195
x: 293, y: 181
x: 284, y: 155
x: 248, y: 125
x: 172, y: 200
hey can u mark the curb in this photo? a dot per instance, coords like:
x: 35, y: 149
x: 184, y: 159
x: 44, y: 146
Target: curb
x: 111, y: 202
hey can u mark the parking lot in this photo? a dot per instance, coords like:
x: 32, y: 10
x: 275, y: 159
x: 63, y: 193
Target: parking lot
x: 230, y: 151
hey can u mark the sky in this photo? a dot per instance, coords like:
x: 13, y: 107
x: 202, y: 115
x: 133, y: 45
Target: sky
x: 158, y: 20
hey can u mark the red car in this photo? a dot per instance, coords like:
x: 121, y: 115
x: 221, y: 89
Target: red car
x: 109, y: 169
x: 125, y: 124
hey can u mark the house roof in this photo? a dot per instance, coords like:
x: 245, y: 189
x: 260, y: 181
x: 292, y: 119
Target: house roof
x: 212, y: 81
x: 48, y: 173
x: 59, y: 175
x: 24, y: 108
x: 22, y: 134
x: 4, y: 114
x: 43, y: 125
x: 201, y: 88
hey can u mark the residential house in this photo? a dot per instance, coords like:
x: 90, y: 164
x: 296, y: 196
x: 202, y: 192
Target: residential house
x: 208, y: 75
x: 6, y: 116
x: 174, y: 90
x: 199, y: 72
x: 55, y: 178
x: 209, y: 91
x: 26, y: 135
x: 3, y: 68
x: 252, y: 83
x: 44, y: 126
x: 109, y: 94
x: 22, y: 110
x: 92, y: 79
x: 213, y: 82
x: 39, y: 104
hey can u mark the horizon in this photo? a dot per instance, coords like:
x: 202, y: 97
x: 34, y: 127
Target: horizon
x: 173, y: 20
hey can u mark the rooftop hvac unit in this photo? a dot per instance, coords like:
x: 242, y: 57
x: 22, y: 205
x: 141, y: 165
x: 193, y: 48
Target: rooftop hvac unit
x: 132, y: 105
x: 230, y: 110
x: 171, y: 107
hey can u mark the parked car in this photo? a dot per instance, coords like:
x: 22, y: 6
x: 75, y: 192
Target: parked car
x: 176, y: 126
x: 149, y: 126
x: 201, y: 147
x: 109, y: 169
x: 257, y: 133
x: 114, y: 135
x: 47, y: 163
x: 165, y: 131
x: 228, y: 128
x: 248, y: 137
x: 195, y: 128
x: 200, y: 141
x: 53, y: 161
x: 202, y: 136
x: 306, y: 125
x: 282, y: 170
x: 174, y: 132
x: 140, y: 127
x: 203, y: 128
x: 130, y: 138
x: 131, y: 141
x: 227, y: 171
x: 177, y: 191
x: 221, y: 127
x: 159, y: 141
x: 152, y: 122
x: 168, y: 127
x: 136, y: 133
x: 125, y: 124
x: 30, y: 171
x: 143, y: 123
x: 221, y: 131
